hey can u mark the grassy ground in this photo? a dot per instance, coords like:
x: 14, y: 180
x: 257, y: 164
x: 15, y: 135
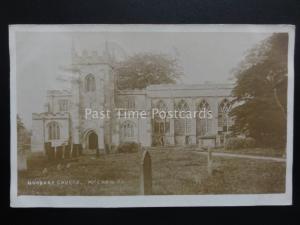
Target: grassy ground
x: 173, y: 172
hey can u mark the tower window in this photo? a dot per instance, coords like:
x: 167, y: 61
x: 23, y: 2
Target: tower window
x: 90, y: 83
x: 63, y: 105
x: 127, y: 129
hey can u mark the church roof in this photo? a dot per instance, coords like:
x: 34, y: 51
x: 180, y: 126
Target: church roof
x: 204, y: 86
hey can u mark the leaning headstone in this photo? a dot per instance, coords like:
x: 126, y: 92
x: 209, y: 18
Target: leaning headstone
x: 146, y: 174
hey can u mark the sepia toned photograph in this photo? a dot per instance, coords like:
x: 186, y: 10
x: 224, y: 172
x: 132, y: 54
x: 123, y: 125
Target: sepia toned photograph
x: 151, y: 115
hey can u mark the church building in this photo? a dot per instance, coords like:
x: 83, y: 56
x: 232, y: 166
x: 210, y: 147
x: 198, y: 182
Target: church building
x: 93, y: 85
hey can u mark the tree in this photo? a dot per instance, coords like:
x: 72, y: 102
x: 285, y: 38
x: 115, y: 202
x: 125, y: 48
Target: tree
x: 260, y: 94
x: 143, y: 69
x: 23, y: 135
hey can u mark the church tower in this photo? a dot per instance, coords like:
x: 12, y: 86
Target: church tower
x: 92, y: 89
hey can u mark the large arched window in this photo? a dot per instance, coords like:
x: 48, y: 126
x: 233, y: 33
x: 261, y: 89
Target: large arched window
x: 182, y: 125
x: 53, y: 131
x: 161, y: 123
x: 127, y: 129
x: 203, y: 123
x: 223, y: 115
x: 90, y: 83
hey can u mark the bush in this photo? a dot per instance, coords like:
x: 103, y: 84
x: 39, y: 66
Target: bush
x: 239, y: 143
x: 129, y: 147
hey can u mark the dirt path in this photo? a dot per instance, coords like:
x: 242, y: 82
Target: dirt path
x: 233, y: 155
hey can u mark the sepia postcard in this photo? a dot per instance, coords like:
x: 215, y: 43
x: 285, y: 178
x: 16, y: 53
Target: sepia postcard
x: 151, y: 115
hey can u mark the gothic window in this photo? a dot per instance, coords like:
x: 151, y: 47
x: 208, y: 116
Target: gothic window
x: 223, y: 117
x: 203, y: 123
x: 161, y: 124
x: 161, y: 107
x: 182, y: 125
x: 90, y: 83
x: 63, y: 105
x: 127, y: 129
x: 53, y: 131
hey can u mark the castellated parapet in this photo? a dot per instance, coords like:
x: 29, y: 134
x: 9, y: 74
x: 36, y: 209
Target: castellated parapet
x: 50, y: 115
x: 59, y: 93
x: 89, y: 58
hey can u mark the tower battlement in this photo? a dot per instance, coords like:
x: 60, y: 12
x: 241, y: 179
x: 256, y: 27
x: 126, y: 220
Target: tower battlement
x: 50, y: 116
x: 88, y: 58
x: 59, y: 93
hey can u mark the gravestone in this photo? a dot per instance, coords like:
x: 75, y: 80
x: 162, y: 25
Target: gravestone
x: 146, y: 174
x: 209, y: 142
x: 97, y: 152
x: 209, y: 161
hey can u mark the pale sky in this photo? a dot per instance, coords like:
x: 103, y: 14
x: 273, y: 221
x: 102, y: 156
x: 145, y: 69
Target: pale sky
x: 203, y: 56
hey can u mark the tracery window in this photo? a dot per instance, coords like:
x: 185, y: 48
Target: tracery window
x: 182, y: 125
x: 203, y: 123
x: 223, y: 115
x: 161, y: 124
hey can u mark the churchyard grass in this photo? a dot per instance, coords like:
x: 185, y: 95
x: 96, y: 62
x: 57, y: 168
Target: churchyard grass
x: 173, y: 172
